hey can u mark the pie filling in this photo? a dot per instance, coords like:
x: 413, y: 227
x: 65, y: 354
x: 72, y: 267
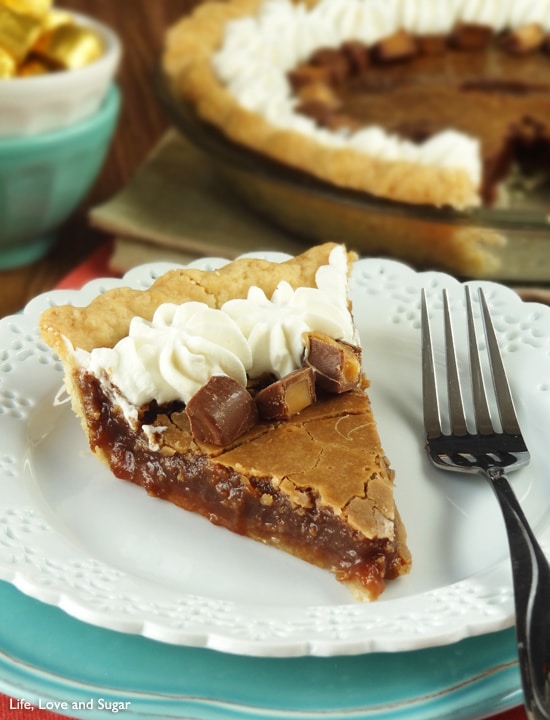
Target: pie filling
x: 474, y: 82
x: 250, y: 505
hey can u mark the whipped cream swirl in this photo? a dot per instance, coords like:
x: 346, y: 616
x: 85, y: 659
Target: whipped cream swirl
x: 173, y: 355
x: 274, y: 327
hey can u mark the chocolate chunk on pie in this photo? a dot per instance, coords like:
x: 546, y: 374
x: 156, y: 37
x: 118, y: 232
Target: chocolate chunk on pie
x: 416, y: 101
x: 200, y: 390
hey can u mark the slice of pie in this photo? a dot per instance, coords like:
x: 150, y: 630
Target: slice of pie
x: 239, y: 394
x: 418, y: 101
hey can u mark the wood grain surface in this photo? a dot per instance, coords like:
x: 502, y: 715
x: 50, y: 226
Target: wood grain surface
x: 141, y: 25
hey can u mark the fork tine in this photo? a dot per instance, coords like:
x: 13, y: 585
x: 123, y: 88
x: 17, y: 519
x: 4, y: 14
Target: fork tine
x: 457, y: 416
x: 484, y: 424
x: 503, y: 395
x: 432, y: 420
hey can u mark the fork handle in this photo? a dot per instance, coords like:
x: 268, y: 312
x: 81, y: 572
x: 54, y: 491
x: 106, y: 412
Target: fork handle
x: 531, y: 580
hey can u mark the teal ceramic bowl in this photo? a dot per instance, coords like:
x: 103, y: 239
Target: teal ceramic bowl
x: 44, y: 177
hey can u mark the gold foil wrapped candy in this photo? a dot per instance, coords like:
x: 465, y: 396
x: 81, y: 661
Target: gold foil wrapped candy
x: 7, y: 64
x: 36, y: 8
x: 36, y: 38
x: 18, y: 32
x: 69, y: 46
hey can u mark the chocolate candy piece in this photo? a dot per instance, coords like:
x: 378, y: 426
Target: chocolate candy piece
x: 333, y: 61
x: 337, y: 364
x: 288, y: 396
x: 357, y: 56
x: 18, y: 32
x: 471, y: 36
x: 69, y: 46
x: 432, y: 44
x: 221, y: 411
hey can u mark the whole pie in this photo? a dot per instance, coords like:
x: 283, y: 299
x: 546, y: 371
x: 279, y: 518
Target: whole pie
x: 239, y: 394
x: 418, y: 101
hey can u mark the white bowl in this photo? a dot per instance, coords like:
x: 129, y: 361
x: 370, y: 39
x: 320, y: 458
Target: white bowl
x: 39, y: 104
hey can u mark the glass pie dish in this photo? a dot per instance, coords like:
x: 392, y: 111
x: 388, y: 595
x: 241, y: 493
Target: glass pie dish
x: 508, y: 244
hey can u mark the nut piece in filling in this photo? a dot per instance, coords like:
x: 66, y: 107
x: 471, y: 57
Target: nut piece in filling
x: 186, y: 392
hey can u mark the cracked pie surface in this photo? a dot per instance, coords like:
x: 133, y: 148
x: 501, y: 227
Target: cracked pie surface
x: 238, y: 394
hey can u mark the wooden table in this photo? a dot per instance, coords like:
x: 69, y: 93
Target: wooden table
x: 141, y: 25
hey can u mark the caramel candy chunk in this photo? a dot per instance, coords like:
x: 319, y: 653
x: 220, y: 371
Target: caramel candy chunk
x: 288, y: 396
x: 307, y: 74
x: 319, y: 93
x: 399, y: 46
x: 523, y: 40
x: 471, y: 36
x: 337, y: 364
x: 221, y: 411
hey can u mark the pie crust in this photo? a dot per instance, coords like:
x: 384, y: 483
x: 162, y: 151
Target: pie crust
x: 191, y: 45
x: 317, y: 485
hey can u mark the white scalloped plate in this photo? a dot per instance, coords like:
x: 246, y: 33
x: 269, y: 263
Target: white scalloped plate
x: 73, y: 535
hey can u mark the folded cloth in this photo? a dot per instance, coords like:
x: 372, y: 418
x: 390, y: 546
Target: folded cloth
x: 176, y: 202
x: 177, y: 207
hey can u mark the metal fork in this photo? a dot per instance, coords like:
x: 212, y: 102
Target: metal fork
x: 492, y: 449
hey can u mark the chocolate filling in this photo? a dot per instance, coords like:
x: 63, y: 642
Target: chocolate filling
x: 245, y: 504
x: 485, y: 90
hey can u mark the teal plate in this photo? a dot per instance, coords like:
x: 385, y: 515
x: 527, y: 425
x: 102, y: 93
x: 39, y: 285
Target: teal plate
x: 57, y: 662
